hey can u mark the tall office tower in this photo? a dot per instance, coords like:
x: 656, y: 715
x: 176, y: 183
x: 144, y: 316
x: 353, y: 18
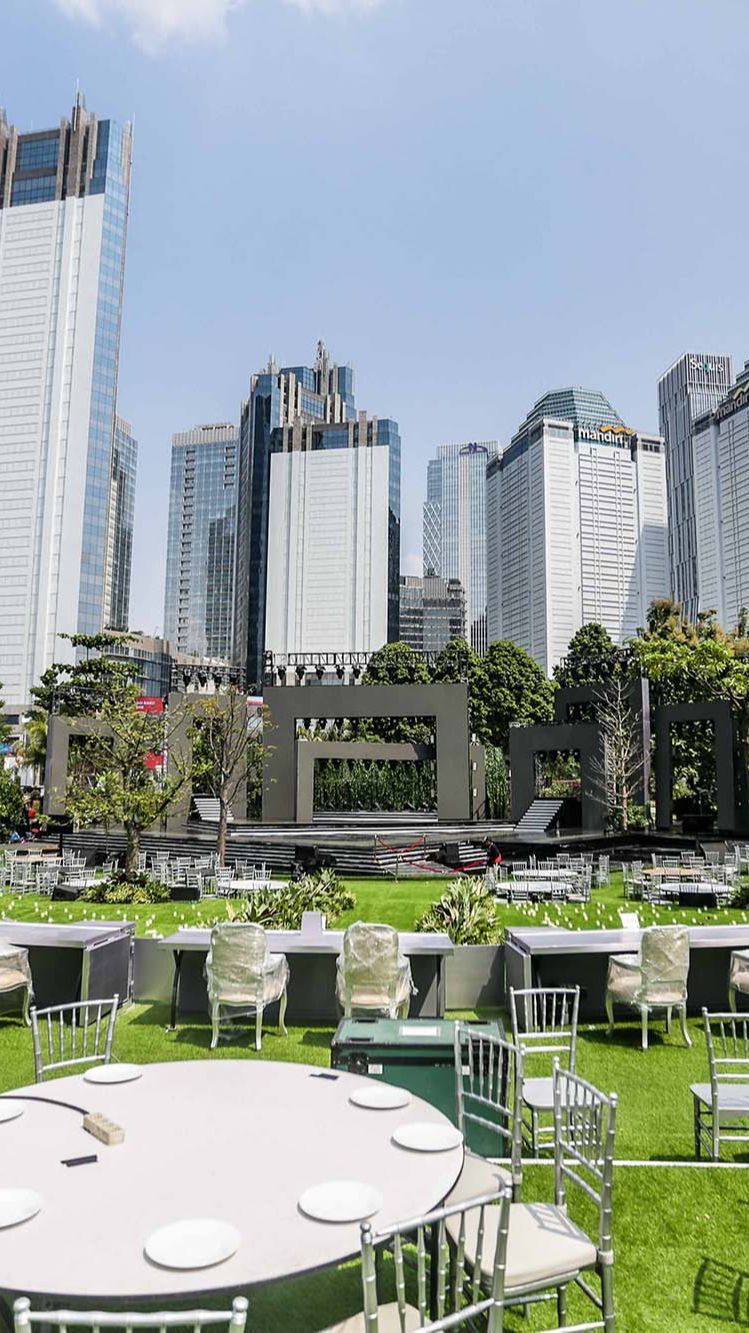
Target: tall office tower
x: 432, y: 612
x: 455, y: 526
x: 120, y: 535
x: 199, y: 596
x: 721, y: 497
x: 334, y: 553
x: 693, y: 385
x: 63, y: 220
x: 577, y: 531
x: 321, y: 392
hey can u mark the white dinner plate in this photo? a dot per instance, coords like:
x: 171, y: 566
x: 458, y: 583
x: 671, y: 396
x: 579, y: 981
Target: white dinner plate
x: 113, y: 1073
x: 341, y: 1201
x: 10, y: 1110
x: 18, y: 1206
x: 196, y: 1242
x: 424, y: 1136
x: 381, y: 1097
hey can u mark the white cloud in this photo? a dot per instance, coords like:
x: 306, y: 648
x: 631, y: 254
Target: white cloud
x: 155, y: 23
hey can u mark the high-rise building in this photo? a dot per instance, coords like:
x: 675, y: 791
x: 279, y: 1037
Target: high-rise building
x: 323, y: 392
x: 63, y: 218
x: 692, y: 386
x: 721, y: 499
x: 120, y: 536
x: 455, y: 526
x: 432, y: 612
x: 334, y: 554
x: 199, y: 596
x: 576, y: 516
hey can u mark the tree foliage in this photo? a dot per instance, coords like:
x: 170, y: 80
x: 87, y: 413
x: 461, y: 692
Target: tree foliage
x: 222, y: 761
x: 394, y: 664
x: 508, y: 687
x: 592, y: 658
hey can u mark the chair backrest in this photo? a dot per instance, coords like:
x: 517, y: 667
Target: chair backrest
x: 544, y: 1021
x: 25, y: 1318
x: 664, y: 963
x: 459, y: 1289
x: 237, y: 956
x: 70, y: 1035
x: 488, y: 1086
x: 584, y: 1133
x: 14, y: 967
x: 727, y: 1038
x: 369, y: 955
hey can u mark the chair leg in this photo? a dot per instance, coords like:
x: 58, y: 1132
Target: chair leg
x: 561, y: 1306
x: 609, y: 1014
x: 214, y: 1026
x: 259, y: 1028
x: 282, y: 1015
x: 26, y: 1007
x: 732, y: 998
x: 607, y: 1298
x: 696, y: 1115
x: 644, y: 1018
x: 668, y: 1021
x: 683, y: 1021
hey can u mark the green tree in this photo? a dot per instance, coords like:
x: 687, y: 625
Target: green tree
x: 12, y: 804
x: 510, y: 687
x: 458, y: 662
x: 221, y: 762
x: 394, y: 664
x: 119, y: 786
x: 592, y: 658
x: 75, y: 689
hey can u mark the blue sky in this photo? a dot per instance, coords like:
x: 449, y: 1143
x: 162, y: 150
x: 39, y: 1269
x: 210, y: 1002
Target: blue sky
x: 471, y: 201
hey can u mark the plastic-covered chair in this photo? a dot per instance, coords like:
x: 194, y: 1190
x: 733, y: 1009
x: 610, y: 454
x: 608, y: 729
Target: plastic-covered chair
x: 15, y: 974
x: 372, y: 973
x: 657, y: 979
x: 738, y: 976
x: 242, y: 974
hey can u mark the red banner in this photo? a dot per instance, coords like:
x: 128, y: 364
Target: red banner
x: 149, y: 703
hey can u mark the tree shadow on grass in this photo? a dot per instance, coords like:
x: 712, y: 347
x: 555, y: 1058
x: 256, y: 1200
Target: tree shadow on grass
x: 721, y: 1292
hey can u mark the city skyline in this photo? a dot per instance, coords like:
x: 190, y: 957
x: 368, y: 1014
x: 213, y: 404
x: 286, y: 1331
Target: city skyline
x: 456, y: 313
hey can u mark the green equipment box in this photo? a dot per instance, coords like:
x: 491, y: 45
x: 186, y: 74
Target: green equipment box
x: 412, y: 1053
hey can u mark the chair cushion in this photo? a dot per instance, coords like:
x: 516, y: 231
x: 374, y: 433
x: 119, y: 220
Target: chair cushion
x: 388, y: 1321
x: 543, y: 1244
x: 9, y: 980
x: 538, y: 1093
x: 733, y: 1098
x: 478, y: 1177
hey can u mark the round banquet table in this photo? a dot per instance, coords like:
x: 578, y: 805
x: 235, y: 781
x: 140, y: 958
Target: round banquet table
x: 236, y: 1140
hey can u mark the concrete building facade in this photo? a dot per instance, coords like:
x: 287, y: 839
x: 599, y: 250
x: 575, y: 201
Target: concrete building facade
x: 576, y: 518
x: 432, y: 612
x: 692, y: 386
x: 721, y: 498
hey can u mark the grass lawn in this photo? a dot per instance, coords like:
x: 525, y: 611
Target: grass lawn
x: 400, y: 903
x: 681, y: 1233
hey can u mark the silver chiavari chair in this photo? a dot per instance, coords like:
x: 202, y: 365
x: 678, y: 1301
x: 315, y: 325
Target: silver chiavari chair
x: 73, y: 1035
x: 544, y: 1023
x: 721, y: 1107
x: 25, y: 1319
x: 488, y: 1096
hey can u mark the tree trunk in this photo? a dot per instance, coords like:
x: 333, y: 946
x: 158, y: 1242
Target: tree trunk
x: 132, y: 849
x: 223, y: 819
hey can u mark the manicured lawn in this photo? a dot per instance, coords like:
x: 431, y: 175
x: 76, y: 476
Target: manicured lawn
x: 682, y: 1253
x: 681, y: 1233
x: 400, y: 903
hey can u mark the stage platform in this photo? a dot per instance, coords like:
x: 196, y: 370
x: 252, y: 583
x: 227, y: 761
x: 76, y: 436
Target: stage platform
x: 377, y: 845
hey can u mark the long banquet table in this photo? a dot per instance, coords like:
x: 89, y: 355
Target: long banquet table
x: 312, y: 965
x: 235, y: 1140
x: 552, y: 956
x: 86, y: 960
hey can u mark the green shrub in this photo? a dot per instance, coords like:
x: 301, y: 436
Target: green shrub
x: 741, y: 895
x: 466, y: 912
x: 282, y: 908
x: 121, y: 889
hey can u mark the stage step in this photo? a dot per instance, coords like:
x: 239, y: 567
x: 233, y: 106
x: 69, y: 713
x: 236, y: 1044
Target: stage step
x: 208, y: 808
x: 538, y: 818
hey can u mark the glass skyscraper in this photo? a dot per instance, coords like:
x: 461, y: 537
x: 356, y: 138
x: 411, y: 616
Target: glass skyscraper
x: 199, y: 596
x: 454, y: 533
x: 323, y: 392
x: 64, y: 198
x: 693, y: 385
x: 121, y: 516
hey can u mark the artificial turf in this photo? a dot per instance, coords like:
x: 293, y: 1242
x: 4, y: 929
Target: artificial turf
x: 681, y: 1233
